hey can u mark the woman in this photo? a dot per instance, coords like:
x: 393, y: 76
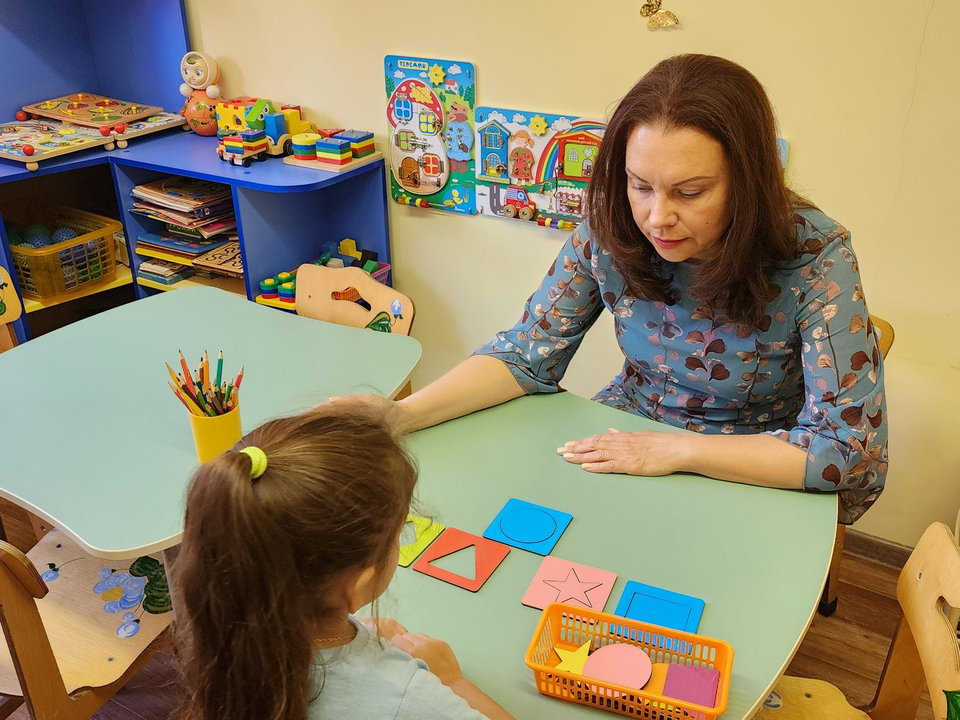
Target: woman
x: 738, y: 305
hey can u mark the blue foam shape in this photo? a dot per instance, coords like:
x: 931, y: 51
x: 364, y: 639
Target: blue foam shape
x: 660, y: 607
x: 530, y: 527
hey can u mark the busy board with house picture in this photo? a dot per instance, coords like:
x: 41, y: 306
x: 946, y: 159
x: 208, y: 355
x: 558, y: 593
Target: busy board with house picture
x: 431, y: 134
x: 534, y: 166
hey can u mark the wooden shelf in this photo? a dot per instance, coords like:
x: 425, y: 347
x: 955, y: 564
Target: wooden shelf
x: 161, y: 255
x: 124, y: 277
x: 231, y: 285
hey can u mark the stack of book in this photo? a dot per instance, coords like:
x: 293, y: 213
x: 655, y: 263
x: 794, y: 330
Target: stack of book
x: 187, y: 206
x: 164, y: 272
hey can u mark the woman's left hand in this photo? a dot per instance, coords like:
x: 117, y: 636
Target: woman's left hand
x: 647, y: 452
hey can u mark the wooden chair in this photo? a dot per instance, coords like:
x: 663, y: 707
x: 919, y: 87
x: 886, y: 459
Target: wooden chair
x: 10, y: 311
x: 828, y: 601
x: 78, y: 632
x: 349, y: 296
x: 924, y: 647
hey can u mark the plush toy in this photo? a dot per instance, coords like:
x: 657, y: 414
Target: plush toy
x: 200, y: 74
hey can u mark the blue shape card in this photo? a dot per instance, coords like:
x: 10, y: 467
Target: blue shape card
x: 527, y: 526
x: 535, y: 166
x: 430, y: 139
x: 660, y: 607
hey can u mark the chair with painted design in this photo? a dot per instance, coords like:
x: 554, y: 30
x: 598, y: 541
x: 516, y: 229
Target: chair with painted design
x: 10, y: 311
x: 77, y: 628
x: 828, y: 601
x: 349, y: 296
x: 924, y: 649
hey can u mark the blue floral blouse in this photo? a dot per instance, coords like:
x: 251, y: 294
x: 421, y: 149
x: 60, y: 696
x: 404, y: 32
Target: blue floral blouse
x: 811, y: 375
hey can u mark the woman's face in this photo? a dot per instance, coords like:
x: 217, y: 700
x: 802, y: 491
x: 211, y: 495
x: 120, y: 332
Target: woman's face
x: 678, y: 184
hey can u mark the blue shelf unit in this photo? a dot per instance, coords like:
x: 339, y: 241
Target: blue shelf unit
x: 285, y: 214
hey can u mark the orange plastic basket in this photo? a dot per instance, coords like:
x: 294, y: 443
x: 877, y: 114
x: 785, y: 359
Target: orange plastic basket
x: 570, y: 626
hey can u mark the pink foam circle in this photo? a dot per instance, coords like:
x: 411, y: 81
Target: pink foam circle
x: 621, y: 664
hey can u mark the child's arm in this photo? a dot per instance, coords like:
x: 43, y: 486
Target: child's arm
x: 443, y: 663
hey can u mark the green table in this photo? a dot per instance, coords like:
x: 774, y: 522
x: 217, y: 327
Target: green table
x: 757, y: 556
x: 93, y: 440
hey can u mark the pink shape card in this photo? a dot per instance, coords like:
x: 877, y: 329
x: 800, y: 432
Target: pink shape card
x: 568, y: 582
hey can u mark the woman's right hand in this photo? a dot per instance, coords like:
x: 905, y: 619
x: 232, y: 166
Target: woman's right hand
x: 437, y: 654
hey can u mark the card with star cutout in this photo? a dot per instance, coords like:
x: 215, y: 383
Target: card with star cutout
x: 563, y: 581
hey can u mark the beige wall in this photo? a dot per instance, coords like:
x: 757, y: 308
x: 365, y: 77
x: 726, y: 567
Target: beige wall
x: 866, y: 92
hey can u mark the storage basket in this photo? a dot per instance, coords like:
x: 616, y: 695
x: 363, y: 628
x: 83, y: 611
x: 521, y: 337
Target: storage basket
x: 85, y: 260
x: 571, y: 626
x: 382, y: 275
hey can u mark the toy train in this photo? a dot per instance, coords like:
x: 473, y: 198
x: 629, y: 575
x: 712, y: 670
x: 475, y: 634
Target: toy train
x: 252, y: 128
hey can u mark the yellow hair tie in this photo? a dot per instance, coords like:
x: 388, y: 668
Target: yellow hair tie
x: 258, y: 461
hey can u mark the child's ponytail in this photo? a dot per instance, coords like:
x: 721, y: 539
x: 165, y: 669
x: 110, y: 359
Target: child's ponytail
x: 266, y: 531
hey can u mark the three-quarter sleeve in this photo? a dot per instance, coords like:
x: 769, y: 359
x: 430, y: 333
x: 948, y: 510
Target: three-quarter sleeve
x: 842, y: 425
x: 538, y: 349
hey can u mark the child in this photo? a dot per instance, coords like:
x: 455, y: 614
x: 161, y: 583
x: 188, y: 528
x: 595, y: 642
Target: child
x: 285, y: 537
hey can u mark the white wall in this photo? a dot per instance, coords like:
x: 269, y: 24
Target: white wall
x: 866, y: 92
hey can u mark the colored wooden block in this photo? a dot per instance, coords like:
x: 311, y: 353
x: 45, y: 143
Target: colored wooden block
x: 425, y: 532
x: 371, y: 266
x: 355, y: 136
x: 696, y: 685
x: 563, y: 581
x: 527, y: 526
x: 329, y: 132
x: 333, y: 144
x: 660, y: 607
x: 367, y: 255
x: 335, y: 262
x: 489, y: 556
x: 348, y: 246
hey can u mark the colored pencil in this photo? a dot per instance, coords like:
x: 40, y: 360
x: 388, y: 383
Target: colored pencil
x: 200, y: 392
x: 179, y: 396
x: 186, y: 370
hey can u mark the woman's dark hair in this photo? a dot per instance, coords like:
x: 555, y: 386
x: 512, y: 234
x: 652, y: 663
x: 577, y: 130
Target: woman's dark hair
x: 259, y: 556
x: 725, y: 101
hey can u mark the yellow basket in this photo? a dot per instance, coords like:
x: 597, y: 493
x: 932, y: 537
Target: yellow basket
x: 88, y: 259
x: 572, y: 626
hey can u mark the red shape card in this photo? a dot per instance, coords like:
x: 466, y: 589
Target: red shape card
x: 489, y: 556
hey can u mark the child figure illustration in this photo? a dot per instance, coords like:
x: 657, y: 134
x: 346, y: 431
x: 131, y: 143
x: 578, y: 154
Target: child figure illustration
x: 286, y: 536
x: 521, y: 157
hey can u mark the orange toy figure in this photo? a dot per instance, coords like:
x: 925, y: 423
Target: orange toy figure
x: 201, y: 113
x: 200, y: 73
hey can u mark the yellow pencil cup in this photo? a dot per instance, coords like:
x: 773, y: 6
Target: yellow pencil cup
x: 214, y: 435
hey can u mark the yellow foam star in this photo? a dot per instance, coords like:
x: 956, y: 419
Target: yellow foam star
x: 437, y: 74
x: 573, y: 660
x: 538, y: 125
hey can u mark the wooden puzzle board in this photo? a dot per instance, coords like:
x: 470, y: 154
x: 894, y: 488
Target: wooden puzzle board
x: 91, y: 110
x: 49, y: 139
x: 149, y: 125
x: 314, y: 165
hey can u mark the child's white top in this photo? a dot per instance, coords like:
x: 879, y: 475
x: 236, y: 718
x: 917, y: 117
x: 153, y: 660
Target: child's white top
x: 373, y: 680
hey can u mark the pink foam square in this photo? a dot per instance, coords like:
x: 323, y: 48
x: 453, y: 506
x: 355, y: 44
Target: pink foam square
x: 692, y: 684
x: 569, y: 582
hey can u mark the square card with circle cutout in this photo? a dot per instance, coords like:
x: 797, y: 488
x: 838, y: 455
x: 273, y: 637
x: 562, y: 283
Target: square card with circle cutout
x: 530, y: 527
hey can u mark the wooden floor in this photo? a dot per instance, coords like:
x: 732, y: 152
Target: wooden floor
x: 846, y: 649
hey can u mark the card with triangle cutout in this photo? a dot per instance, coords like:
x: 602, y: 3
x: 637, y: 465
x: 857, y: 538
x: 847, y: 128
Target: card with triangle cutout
x: 489, y: 555
x: 425, y: 532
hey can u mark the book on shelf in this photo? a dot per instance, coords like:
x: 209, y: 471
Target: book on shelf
x: 223, y: 222
x: 156, y: 266
x: 180, y: 245
x: 184, y: 194
x: 165, y: 279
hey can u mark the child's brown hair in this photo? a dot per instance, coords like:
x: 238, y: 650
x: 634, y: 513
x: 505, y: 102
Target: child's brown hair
x: 259, y: 555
